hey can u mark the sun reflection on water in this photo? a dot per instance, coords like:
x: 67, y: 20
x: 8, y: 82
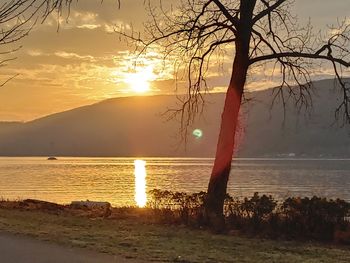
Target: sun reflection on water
x: 140, y: 183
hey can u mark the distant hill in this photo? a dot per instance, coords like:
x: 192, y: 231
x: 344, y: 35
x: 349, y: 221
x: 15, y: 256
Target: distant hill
x: 8, y: 124
x: 134, y: 126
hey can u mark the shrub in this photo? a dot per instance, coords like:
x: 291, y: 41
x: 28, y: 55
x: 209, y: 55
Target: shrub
x: 177, y: 207
x: 251, y: 213
x: 315, y: 218
x: 308, y: 218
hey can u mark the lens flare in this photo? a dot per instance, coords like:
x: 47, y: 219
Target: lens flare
x: 140, y: 183
x: 197, y: 133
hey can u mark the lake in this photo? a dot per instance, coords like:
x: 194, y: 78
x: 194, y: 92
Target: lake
x: 115, y: 179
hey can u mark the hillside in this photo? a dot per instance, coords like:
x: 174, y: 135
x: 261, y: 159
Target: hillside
x: 134, y: 126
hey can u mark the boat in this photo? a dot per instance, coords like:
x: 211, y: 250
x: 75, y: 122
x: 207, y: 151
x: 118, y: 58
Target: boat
x: 52, y: 158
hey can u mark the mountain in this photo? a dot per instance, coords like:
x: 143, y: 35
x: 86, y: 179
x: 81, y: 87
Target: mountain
x: 130, y: 126
x: 137, y: 126
x: 8, y: 125
x: 312, y: 132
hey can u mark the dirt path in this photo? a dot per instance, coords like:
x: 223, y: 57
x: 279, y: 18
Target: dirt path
x: 19, y: 249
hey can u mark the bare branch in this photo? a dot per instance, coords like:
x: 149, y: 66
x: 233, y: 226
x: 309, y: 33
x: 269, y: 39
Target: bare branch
x: 196, y: 31
x: 300, y: 55
x: 233, y: 19
x: 268, y: 10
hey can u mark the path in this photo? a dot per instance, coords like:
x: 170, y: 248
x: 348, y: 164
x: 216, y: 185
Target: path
x: 19, y: 249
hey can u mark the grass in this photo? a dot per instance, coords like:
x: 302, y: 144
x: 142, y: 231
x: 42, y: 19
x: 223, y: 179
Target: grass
x: 132, y: 238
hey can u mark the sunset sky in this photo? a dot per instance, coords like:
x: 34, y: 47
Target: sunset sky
x: 85, y: 62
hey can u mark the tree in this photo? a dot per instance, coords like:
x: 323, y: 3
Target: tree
x: 17, y: 19
x: 199, y: 32
x: 259, y: 33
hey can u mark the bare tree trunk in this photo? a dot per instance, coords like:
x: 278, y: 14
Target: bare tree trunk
x: 224, y: 152
x: 229, y: 119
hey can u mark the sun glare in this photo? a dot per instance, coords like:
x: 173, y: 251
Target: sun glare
x: 140, y: 183
x: 139, y: 81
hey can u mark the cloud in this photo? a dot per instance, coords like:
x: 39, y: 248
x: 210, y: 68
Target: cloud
x: 35, y: 52
x: 117, y: 25
x: 83, y: 19
x: 89, y: 26
x: 76, y: 19
x: 91, y: 21
x: 84, y: 62
x: 70, y: 55
x: 218, y: 89
x: 109, y: 28
x: 84, y: 16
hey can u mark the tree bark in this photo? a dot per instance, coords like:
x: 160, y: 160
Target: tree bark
x: 225, y: 147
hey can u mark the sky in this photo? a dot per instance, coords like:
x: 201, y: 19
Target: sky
x: 84, y: 61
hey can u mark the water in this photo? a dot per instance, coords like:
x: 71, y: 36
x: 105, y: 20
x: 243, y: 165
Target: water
x: 113, y: 179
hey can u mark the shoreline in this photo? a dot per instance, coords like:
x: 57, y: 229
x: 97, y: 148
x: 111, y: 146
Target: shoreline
x: 132, y: 233
x: 114, y: 180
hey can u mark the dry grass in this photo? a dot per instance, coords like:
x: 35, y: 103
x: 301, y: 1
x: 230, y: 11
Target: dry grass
x: 131, y: 237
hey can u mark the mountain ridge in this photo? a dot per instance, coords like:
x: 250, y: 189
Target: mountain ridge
x: 133, y: 126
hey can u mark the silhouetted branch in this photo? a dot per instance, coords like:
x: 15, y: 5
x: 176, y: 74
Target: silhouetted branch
x: 195, y: 33
x: 296, y: 51
x: 300, y: 55
x: 6, y: 81
x: 191, y: 36
x: 231, y: 17
x: 268, y: 10
x: 17, y: 19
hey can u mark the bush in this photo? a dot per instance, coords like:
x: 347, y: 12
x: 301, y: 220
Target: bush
x: 315, y: 218
x: 251, y: 213
x: 303, y: 218
x: 258, y: 208
x: 178, y: 207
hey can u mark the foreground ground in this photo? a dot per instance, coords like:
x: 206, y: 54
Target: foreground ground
x: 130, y: 237
x: 21, y: 249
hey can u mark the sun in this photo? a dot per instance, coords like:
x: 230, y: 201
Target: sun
x: 139, y: 81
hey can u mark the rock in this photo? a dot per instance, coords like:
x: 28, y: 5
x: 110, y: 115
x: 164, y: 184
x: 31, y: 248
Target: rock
x: 93, y: 205
x: 38, y: 204
x: 90, y: 204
